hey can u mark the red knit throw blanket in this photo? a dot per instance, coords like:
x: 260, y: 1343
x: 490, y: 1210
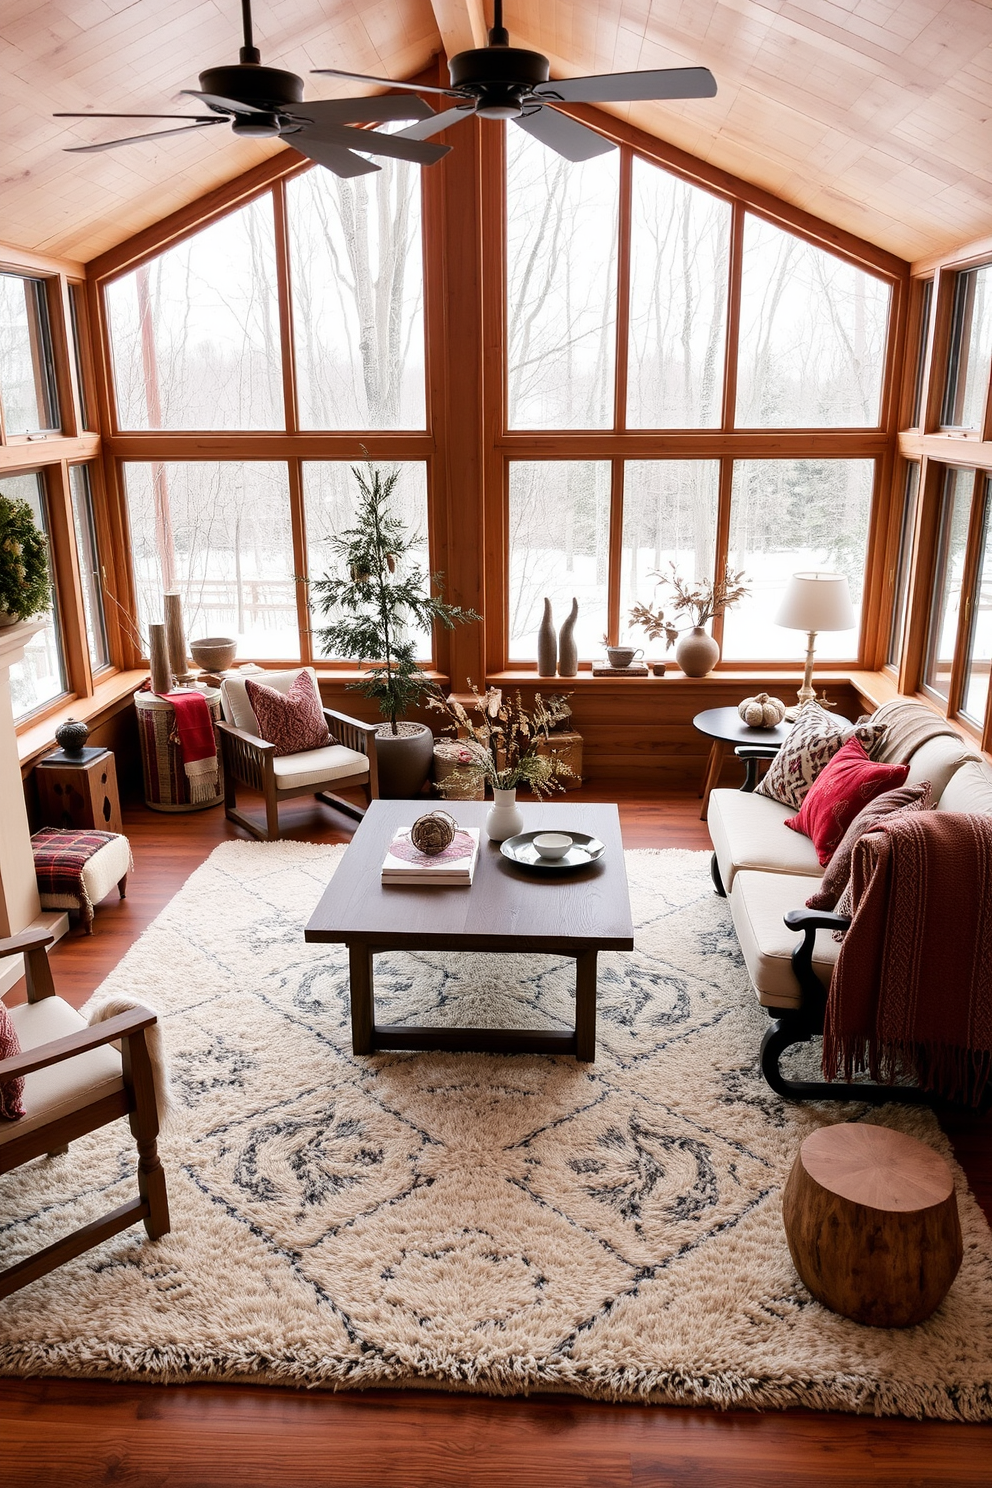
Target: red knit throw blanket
x: 912, y: 989
x: 195, y: 735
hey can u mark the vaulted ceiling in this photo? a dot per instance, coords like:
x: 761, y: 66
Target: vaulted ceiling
x: 875, y: 115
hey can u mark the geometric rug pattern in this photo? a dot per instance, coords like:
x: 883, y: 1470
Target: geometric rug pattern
x: 467, y: 1221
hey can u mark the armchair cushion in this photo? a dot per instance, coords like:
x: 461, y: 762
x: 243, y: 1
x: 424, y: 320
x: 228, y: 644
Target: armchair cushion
x: 760, y: 902
x: 319, y: 767
x: 11, y: 1091
x: 293, y: 721
x: 234, y: 696
x: 59, y: 1089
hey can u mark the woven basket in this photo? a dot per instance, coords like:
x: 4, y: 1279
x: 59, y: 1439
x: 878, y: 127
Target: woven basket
x: 166, y: 781
x: 446, y: 764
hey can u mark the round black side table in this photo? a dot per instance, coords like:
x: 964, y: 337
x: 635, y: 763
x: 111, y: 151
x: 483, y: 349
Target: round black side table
x: 726, y: 728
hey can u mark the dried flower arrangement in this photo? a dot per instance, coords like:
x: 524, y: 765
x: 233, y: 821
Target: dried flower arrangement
x: 504, y: 744
x: 698, y: 603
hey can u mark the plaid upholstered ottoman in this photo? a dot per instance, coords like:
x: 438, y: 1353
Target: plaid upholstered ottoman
x: 76, y: 868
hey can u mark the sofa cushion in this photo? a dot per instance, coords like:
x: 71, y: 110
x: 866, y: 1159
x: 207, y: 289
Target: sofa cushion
x: 840, y: 791
x: 815, y: 737
x: 749, y: 831
x: 969, y: 788
x: 760, y: 902
x: 838, y: 873
x: 937, y: 760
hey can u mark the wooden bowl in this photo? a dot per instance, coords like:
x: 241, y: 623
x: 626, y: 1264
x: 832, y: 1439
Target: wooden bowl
x: 214, y: 653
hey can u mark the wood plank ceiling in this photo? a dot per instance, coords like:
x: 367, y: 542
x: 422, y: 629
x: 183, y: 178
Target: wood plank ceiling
x: 875, y: 115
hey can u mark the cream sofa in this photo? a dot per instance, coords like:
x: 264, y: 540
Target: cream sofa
x: 768, y: 872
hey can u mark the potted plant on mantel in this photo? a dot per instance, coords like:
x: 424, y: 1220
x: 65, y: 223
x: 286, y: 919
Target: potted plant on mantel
x: 696, y: 652
x: 24, y: 582
x: 375, y: 601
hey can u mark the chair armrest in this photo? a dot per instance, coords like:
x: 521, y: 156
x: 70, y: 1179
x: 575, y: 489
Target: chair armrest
x: 28, y: 940
x: 751, y: 754
x: 77, y: 1043
x: 352, y: 732
x: 251, y: 740
x: 345, y: 721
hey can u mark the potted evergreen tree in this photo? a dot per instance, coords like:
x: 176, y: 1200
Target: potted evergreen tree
x: 374, y: 599
x: 24, y: 583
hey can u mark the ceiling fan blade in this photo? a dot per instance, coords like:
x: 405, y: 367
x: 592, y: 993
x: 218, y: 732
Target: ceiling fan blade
x: 139, y: 139
x: 565, y: 136
x: 427, y: 128
x: 378, y: 110
x: 190, y: 118
x: 332, y: 157
x: 363, y: 77
x: 631, y: 87
x: 371, y: 142
x: 229, y: 105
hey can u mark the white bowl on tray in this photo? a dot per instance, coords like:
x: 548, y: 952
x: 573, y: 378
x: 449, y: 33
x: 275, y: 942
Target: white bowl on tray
x: 552, y: 845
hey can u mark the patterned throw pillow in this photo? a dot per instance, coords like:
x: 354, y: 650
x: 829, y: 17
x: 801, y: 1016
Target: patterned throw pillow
x: 843, y: 788
x: 293, y: 721
x: 815, y: 737
x: 836, y: 881
x: 11, y: 1091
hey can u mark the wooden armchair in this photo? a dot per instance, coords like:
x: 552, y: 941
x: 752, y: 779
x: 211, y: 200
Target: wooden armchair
x: 248, y: 759
x: 75, y: 1081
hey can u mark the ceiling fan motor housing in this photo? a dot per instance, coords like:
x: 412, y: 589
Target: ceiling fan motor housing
x: 500, y: 77
x: 263, y: 87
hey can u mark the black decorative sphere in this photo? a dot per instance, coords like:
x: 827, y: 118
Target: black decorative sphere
x: 72, y: 736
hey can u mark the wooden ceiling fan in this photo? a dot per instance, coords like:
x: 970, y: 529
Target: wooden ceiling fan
x: 503, y: 82
x: 267, y: 103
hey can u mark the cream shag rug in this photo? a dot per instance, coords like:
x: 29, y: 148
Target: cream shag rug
x: 467, y: 1221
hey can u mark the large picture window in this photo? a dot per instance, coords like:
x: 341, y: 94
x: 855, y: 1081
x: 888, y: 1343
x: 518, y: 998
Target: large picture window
x: 220, y: 534
x: 357, y: 279
x: 27, y: 376
x: 41, y: 677
x: 559, y: 549
x: 195, y: 331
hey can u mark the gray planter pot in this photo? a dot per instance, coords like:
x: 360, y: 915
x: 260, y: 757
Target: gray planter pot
x: 404, y: 760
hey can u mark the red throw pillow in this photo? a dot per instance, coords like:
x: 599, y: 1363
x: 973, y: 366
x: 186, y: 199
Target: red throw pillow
x: 11, y: 1091
x: 839, y: 792
x: 293, y: 720
x: 838, y: 874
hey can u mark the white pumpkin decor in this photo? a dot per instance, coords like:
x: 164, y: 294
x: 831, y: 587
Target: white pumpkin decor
x: 762, y: 711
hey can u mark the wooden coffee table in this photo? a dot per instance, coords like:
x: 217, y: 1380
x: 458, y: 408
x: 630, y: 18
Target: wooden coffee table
x: 507, y: 909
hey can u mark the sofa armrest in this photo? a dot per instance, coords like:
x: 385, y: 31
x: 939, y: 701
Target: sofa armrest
x: 751, y: 755
x: 809, y: 921
x: 121, y: 1027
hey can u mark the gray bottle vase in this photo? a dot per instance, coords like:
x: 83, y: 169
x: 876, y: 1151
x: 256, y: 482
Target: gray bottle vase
x: 568, y: 653
x: 547, y: 644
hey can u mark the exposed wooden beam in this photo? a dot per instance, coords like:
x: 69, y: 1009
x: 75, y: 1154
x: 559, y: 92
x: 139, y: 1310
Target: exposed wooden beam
x: 462, y: 24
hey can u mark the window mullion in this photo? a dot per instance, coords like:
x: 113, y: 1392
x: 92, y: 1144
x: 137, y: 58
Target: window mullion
x: 66, y: 585
x: 615, y: 624
x: 285, y: 300
x: 623, y: 292
x: 735, y: 267
x: 969, y: 585
x: 300, y: 559
x: 723, y: 535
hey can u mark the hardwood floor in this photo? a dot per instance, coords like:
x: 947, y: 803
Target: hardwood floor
x: 80, y: 1432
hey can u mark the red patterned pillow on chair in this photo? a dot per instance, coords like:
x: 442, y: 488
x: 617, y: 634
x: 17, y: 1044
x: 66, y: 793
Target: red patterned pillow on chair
x: 11, y: 1091
x: 842, y: 788
x: 293, y: 721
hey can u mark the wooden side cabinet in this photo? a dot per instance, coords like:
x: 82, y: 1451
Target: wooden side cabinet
x: 79, y: 794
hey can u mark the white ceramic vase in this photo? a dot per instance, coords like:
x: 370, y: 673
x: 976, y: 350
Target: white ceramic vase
x: 504, y: 819
x: 696, y: 652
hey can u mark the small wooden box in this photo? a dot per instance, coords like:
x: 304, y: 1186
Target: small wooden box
x: 79, y: 795
x: 566, y: 746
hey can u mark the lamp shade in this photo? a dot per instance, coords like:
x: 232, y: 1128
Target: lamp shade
x: 817, y: 601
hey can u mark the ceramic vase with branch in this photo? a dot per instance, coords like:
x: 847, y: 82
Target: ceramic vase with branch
x: 695, y: 650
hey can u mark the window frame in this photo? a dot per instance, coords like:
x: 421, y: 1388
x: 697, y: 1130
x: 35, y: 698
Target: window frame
x: 44, y: 330
x: 960, y: 303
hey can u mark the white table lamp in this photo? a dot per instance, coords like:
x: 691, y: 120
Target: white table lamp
x: 815, y: 602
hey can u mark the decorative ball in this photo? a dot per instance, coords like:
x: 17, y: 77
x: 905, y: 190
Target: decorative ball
x: 433, y: 832
x: 72, y: 736
x: 762, y: 711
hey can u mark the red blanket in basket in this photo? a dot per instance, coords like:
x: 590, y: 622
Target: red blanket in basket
x: 194, y: 733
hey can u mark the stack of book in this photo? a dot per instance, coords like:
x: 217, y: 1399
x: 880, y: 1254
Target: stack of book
x: 452, y: 868
x: 637, y: 669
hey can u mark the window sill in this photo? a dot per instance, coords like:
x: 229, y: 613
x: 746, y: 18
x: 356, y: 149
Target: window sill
x: 38, y: 739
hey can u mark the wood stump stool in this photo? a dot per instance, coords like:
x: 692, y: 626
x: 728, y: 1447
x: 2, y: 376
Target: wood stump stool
x: 871, y: 1218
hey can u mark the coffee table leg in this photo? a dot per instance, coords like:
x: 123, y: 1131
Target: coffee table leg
x: 362, y: 1003
x: 585, y: 1006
